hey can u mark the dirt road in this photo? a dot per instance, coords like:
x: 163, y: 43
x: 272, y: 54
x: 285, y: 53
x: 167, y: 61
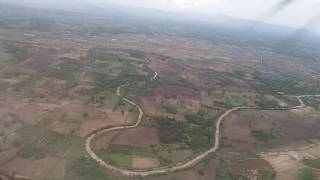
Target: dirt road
x: 165, y: 169
x: 301, y: 102
x: 155, y: 76
x: 160, y: 170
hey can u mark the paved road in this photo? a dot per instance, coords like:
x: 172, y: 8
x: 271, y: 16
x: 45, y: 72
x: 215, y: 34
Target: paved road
x: 165, y: 169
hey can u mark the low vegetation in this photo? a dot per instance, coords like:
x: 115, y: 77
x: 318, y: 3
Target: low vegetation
x: 85, y: 168
x: 194, y: 136
x: 222, y: 171
x: 286, y: 85
x: 309, y: 101
x: 306, y: 173
x: 261, y: 135
x: 313, y: 163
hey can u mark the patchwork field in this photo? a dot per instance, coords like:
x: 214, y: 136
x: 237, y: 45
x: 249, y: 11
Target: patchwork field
x: 249, y: 129
x: 149, y: 98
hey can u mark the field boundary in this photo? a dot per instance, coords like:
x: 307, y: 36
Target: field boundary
x: 178, y: 166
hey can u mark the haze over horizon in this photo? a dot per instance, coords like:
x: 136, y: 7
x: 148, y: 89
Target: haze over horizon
x: 293, y: 13
x: 301, y: 14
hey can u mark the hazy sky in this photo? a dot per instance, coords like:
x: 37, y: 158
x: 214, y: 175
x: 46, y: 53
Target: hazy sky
x: 299, y: 13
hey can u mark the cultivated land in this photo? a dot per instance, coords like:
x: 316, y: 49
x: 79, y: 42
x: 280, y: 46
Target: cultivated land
x: 84, y: 100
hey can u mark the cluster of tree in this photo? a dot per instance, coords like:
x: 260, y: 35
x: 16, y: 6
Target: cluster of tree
x: 183, y: 132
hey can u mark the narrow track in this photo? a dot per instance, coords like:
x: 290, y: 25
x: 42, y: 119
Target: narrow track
x: 165, y: 169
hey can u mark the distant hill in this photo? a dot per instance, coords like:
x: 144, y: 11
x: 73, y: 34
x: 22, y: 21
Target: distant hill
x: 219, y: 28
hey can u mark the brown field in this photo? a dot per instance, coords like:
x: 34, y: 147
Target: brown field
x: 40, y: 58
x: 209, y: 173
x: 144, y: 162
x: 57, y: 71
x: 103, y: 141
x: 286, y: 162
x: 70, y: 56
x: 103, y: 118
x: 152, y: 109
x: 240, y: 167
x: 238, y: 127
x: 141, y: 136
x: 43, y: 168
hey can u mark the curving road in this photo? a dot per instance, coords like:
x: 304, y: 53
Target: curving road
x: 301, y: 102
x: 165, y: 169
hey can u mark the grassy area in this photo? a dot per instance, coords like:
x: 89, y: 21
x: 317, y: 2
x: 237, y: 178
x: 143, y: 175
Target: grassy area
x: 267, y: 175
x: 235, y: 101
x: 170, y: 109
x: 261, y: 135
x: 4, y: 56
x: 263, y: 102
x: 202, y: 167
x: 120, y: 159
x: 173, y: 157
x: 103, y: 55
x: 111, y: 100
x: 103, y: 81
x: 135, y: 53
x: 222, y: 171
x: 175, y: 110
x: 131, y: 150
x: 306, y: 174
x: 124, y: 149
x: 17, y: 54
x: 118, y: 156
x: 196, y: 137
x: 143, y: 151
x: 85, y: 169
x: 39, y: 142
x: 68, y: 71
x: 285, y: 84
x: 314, y: 163
x: 309, y: 101
x: 76, y: 149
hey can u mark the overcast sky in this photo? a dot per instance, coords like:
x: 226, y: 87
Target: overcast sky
x: 299, y: 13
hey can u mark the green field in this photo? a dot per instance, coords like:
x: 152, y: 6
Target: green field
x: 4, y: 57
x: 235, y: 101
x: 120, y: 159
x: 309, y: 101
x: 43, y: 143
x: 85, y: 169
x: 306, y: 174
x: 314, y: 163
x: 175, y: 110
x: 174, y: 156
x: 261, y: 135
x: 111, y: 100
x: 143, y: 151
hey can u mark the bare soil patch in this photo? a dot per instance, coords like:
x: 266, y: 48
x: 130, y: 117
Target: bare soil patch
x: 99, y: 118
x: 145, y: 162
x: 152, y: 105
x: 141, y: 136
x: 241, y: 167
x: 70, y: 56
x: 284, y: 125
x: 39, y: 59
x: 48, y: 86
x: 104, y: 140
x: 280, y: 103
x: 43, y: 168
x: 209, y: 173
